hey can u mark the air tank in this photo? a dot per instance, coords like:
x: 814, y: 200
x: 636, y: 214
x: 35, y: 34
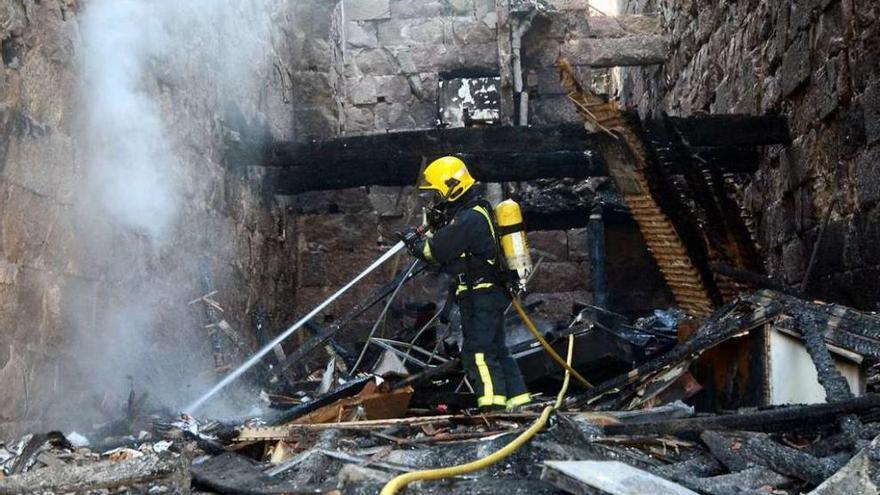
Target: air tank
x: 514, y: 245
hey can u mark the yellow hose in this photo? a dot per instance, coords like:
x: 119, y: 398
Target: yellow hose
x: 556, y: 357
x: 400, y: 482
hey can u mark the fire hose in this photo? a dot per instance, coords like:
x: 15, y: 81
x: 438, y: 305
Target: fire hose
x: 385, y: 257
x: 400, y: 482
x: 287, y: 333
x: 546, y: 345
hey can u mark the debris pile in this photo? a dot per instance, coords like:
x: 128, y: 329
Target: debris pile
x: 631, y: 433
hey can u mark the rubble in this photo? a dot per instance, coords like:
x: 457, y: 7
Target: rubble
x: 729, y: 391
x: 630, y: 433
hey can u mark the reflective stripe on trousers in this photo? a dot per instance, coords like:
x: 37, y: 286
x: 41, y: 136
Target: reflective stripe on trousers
x: 519, y: 400
x: 486, y: 378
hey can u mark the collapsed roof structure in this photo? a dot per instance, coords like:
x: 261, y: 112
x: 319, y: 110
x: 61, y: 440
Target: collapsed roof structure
x: 739, y: 383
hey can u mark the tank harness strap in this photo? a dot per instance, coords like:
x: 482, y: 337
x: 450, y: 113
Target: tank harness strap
x: 468, y: 280
x: 504, y: 230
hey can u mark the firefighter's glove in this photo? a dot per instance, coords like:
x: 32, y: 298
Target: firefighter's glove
x: 412, y: 239
x: 436, y: 217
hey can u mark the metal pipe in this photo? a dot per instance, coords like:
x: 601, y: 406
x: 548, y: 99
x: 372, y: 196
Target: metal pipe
x: 382, y: 316
x: 412, y: 347
x: 231, y: 377
x: 398, y: 352
x: 596, y: 239
x: 421, y: 331
x: 519, y: 31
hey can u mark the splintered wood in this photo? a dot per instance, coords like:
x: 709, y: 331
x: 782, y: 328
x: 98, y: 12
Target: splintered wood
x: 626, y: 156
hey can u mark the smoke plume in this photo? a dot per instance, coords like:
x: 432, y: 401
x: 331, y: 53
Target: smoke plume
x: 155, y: 75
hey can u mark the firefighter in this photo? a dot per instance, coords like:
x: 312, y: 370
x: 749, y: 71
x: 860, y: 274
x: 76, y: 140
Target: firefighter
x: 464, y: 244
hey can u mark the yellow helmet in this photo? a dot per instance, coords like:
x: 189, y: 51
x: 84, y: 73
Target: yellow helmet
x: 449, y: 176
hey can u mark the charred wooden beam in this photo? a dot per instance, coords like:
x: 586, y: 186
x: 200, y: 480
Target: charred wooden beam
x: 233, y: 473
x: 784, y: 418
x: 544, y: 217
x: 742, y: 450
x: 495, y: 154
x: 430, y: 142
x: 97, y: 476
x: 732, y: 130
x: 847, y: 328
x: 835, y: 385
x: 403, y: 170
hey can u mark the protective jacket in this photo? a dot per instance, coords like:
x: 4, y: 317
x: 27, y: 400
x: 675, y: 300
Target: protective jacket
x: 466, y: 247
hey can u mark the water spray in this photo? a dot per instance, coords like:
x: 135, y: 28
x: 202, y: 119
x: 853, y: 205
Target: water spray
x: 190, y: 409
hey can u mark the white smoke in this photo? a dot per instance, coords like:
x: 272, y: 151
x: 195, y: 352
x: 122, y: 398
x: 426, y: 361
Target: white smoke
x: 127, y: 44
x: 154, y: 75
x: 130, y: 158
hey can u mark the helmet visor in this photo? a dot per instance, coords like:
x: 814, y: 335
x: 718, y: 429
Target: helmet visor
x: 431, y: 198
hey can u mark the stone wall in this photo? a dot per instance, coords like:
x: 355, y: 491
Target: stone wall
x: 85, y: 300
x: 394, y: 55
x: 397, y: 50
x: 546, y: 40
x: 818, y: 63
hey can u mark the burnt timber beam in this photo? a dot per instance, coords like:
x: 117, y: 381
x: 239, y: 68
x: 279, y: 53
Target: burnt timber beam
x: 732, y: 130
x: 500, y: 139
x: 779, y: 419
x: 402, y: 169
x: 496, y: 154
x: 574, y: 217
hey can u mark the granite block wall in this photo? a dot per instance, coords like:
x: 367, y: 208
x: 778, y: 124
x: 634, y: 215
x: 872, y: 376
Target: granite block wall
x: 816, y: 62
x: 394, y: 53
x: 87, y: 300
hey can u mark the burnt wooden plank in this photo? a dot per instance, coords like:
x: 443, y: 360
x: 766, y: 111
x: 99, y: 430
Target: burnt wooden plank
x: 494, y: 154
x: 781, y: 418
x: 97, y: 476
x: 741, y: 450
x: 732, y: 130
x: 402, y: 169
x: 430, y: 142
x: 233, y: 473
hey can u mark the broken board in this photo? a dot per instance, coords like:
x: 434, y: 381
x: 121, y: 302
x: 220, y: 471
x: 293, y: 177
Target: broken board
x: 613, y: 477
x: 232, y: 473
